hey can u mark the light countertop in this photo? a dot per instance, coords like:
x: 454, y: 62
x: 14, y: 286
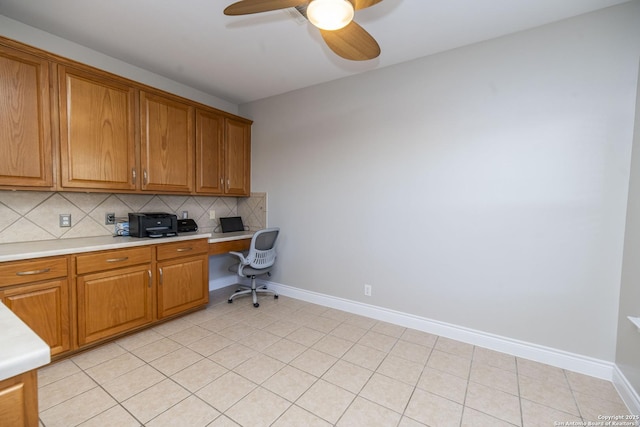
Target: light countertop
x: 21, y: 350
x: 235, y: 235
x: 46, y: 248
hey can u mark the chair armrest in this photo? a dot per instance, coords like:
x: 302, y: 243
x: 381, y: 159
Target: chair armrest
x: 240, y: 255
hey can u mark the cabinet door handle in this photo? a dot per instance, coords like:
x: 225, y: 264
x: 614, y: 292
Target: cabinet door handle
x: 161, y: 276
x: 145, y: 177
x: 133, y: 176
x: 124, y: 258
x: 184, y: 249
x: 33, y: 272
x: 149, y: 272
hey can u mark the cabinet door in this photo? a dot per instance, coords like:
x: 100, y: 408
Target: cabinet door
x: 166, y: 129
x: 19, y: 400
x: 97, y: 133
x: 112, y: 302
x: 44, y: 307
x: 182, y: 284
x: 209, y: 152
x: 25, y: 120
x: 237, y: 157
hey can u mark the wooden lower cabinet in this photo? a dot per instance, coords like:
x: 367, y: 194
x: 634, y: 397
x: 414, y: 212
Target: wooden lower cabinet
x: 19, y: 400
x: 112, y: 292
x: 117, y: 290
x: 182, y: 284
x: 44, y: 307
x: 37, y: 291
x: 113, y: 302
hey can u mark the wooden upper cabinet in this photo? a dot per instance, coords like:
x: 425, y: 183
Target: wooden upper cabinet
x: 209, y: 152
x: 97, y: 131
x: 115, y: 135
x: 25, y: 120
x: 237, y: 157
x: 223, y: 154
x: 166, y: 143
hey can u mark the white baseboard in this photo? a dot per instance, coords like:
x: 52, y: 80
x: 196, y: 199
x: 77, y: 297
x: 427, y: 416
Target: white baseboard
x: 554, y: 357
x: 626, y: 390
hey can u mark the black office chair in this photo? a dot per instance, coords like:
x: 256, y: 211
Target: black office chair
x: 258, y: 261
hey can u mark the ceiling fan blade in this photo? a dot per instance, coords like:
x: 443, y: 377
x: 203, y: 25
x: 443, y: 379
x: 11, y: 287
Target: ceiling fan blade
x: 363, y: 4
x: 246, y: 7
x: 352, y: 42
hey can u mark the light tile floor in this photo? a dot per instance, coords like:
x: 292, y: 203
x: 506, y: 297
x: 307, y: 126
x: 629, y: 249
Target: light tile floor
x: 292, y: 363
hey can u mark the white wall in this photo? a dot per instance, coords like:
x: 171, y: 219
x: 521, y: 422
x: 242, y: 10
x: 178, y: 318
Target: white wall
x: 484, y: 187
x: 18, y: 31
x: 628, y: 349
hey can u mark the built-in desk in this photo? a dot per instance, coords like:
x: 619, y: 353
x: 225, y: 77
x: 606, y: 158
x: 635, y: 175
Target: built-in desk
x: 221, y: 243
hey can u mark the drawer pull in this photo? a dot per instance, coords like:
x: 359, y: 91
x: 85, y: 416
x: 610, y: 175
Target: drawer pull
x: 184, y: 249
x: 124, y: 258
x: 33, y: 272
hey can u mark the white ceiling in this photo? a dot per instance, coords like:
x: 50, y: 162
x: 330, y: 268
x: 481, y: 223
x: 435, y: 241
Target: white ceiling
x: 245, y: 58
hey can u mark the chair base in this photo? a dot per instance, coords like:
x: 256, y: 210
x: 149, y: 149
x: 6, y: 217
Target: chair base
x: 253, y: 291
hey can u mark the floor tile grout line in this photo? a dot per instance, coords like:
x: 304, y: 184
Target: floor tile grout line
x: 466, y: 390
x: 573, y: 395
x: 519, y: 394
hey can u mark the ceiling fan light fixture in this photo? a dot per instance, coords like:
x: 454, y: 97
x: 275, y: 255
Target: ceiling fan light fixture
x: 330, y: 14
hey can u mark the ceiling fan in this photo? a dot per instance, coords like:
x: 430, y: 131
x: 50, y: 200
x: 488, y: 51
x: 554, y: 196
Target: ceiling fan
x: 334, y: 18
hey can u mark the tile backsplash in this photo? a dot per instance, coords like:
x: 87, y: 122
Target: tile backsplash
x: 33, y: 215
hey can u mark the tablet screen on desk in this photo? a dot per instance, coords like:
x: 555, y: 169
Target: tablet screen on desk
x: 232, y: 223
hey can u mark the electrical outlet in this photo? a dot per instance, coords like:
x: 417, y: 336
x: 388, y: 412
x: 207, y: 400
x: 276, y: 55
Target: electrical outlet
x: 185, y: 214
x: 367, y: 290
x: 65, y: 220
x: 109, y: 218
x: 212, y: 214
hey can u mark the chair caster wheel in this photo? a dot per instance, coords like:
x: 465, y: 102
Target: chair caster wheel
x: 256, y: 305
x: 275, y: 297
x: 229, y: 301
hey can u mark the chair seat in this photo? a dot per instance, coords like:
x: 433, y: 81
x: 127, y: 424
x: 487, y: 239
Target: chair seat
x: 249, y: 271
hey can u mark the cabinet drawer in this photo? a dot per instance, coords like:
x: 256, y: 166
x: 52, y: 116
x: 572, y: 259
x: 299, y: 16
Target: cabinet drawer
x: 15, y: 273
x: 100, y: 261
x: 228, y: 246
x: 184, y: 248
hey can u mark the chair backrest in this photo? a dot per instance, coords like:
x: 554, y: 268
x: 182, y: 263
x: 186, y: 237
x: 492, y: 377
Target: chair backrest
x: 262, y: 253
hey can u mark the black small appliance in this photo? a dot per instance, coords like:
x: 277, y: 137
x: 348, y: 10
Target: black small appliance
x: 187, y: 225
x: 153, y: 224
